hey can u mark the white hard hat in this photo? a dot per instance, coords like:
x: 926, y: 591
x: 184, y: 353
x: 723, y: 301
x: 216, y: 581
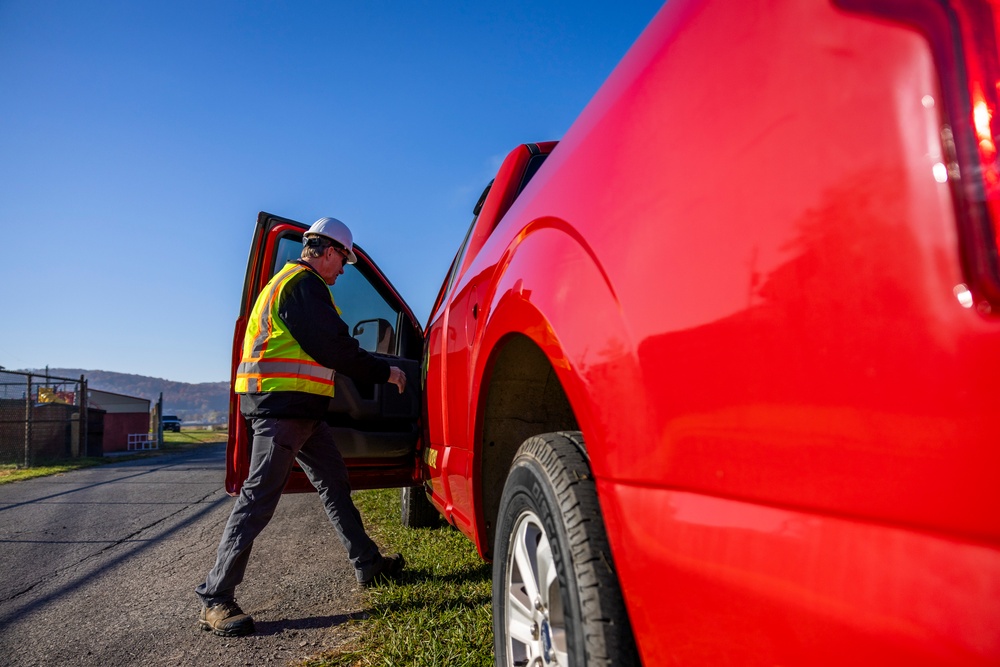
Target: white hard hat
x: 334, y: 230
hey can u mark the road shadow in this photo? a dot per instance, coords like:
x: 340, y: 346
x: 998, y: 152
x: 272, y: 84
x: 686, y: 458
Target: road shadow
x: 308, y: 623
x: 93, y: 566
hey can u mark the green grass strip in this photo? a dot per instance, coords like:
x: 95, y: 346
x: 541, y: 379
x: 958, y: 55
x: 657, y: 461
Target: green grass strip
x: 193, y: 437
x: 440, y: 614
x: 12, y: 473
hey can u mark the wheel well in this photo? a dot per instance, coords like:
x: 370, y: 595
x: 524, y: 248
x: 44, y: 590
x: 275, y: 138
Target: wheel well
x: 524, y: 398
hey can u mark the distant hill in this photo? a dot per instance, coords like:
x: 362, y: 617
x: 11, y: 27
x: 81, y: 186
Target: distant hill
x: 206, y: 402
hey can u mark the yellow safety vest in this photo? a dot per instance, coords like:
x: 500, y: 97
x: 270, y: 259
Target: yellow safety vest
x: 272, y: 359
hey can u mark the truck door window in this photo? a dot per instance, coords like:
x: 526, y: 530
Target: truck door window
x: 368, y: 315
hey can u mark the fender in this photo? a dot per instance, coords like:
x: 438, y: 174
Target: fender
x: 521, y: 301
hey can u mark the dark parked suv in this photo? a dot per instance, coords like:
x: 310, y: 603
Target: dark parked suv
x: 171, y: 423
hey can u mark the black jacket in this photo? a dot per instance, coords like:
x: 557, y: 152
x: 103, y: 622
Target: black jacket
x: 306, y: 311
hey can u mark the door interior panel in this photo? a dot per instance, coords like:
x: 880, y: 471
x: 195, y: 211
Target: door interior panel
x: 376, y: 421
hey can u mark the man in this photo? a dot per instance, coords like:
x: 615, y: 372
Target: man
x: 295, y: 339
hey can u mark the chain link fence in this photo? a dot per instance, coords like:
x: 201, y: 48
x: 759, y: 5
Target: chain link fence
x: 42, y: 418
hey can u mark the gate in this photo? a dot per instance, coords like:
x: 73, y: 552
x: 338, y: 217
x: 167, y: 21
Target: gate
x: 42, y: 418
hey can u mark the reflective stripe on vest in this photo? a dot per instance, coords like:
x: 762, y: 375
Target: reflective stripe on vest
x: 272, y: 359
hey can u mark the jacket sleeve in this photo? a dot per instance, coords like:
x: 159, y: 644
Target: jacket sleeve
x: 324, y: 336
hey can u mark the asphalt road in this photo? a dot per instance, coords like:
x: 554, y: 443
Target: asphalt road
x: 98, y: 567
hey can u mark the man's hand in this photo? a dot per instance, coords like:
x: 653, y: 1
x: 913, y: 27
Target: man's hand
x: 398, y: 378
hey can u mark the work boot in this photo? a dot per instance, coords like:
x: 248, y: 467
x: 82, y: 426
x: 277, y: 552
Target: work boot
x: 226, y: 619
x: 386, y: 569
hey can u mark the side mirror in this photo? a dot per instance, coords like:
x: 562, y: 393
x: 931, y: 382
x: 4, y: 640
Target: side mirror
x: 375, y: 336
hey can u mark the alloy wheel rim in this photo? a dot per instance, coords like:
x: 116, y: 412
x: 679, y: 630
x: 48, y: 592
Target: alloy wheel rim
x: 536, y: 623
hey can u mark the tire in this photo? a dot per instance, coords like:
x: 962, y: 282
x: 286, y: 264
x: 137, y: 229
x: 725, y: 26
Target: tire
x: 416, y: 509
x: 550, y: 528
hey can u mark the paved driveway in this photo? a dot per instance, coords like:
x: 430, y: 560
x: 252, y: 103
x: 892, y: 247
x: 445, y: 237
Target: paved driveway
x: 98, y: 567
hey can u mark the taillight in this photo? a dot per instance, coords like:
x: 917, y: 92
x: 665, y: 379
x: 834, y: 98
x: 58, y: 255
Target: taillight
x: 963, y: 38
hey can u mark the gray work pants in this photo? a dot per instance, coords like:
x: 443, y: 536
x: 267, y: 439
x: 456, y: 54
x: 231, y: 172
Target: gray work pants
x: 277, y: 443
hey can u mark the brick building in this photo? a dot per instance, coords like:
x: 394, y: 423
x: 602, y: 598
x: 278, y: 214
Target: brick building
x: 124, y: 415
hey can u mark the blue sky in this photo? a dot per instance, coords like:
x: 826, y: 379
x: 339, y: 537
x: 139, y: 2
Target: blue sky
x: 140, y: 139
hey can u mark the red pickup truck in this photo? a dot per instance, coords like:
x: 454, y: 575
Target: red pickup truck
x: 720, y: 384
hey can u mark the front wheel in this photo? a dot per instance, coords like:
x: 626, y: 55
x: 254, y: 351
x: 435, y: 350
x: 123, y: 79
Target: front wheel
x: 556, y: 599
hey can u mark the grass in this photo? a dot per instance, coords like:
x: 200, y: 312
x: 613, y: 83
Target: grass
x: 440, y: 614
x: 185, y: 438
x: 171, y: 442
x: 10, y: 472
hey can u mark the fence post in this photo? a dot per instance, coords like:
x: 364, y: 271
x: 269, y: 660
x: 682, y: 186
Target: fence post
x: 82, y: 403
x: 27, y: 425
x: 159, y: 420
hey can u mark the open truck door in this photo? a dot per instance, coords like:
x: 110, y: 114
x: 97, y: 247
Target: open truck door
x: 376, y: 428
